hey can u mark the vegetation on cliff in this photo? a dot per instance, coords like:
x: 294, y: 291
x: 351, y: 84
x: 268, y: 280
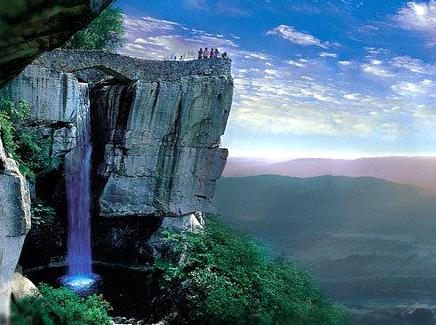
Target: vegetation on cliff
x: 27, y: 146
x: 106, y: 32
x: 223, y: 277
x: 60, y: 306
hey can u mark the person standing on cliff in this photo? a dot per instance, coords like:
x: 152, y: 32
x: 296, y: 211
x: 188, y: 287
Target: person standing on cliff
x: 212, y: 51
x: 200, y: 54
x: 216, y: 54
x: 205, y: 53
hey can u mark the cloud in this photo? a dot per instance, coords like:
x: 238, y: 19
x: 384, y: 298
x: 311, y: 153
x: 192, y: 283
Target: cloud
x: 301, y: 63
x: 152, y: 38
x: 354, y: 96
x: 149, y: 24
x: 328, y: 55
x: 377, y: 68
x: 419, y: 17
x: 290, y: 34
x: 225, y: 7
x: 414, y: 65
x: 196, y: 4
x: 412, y: 89
x: 229, y: 8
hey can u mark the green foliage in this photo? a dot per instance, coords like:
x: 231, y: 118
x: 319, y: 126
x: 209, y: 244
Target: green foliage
x: 106, y: 32
x: 26, y: 146
x: 225, y: 278
x: 59, y: 307
x: 42, y: 214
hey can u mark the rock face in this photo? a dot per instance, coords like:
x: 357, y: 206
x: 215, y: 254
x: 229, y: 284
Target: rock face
x: 156, y: 138
x: 161, y: 144
x: 55, y: 100
x: 25, y: 31
x: 15, y: 223
x: 156, y: 129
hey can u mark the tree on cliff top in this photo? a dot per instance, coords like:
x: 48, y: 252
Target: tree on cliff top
x: 106, y: 32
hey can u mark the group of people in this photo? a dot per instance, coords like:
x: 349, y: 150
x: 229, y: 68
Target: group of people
x: 209, y: 54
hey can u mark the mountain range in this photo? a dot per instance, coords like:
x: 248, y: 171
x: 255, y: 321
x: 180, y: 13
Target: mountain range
x: 419, y: 171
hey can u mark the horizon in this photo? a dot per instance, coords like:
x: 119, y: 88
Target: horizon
x: 290, y: 158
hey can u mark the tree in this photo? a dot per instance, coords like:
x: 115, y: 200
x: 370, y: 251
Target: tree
x: 106, y: 32
x: 226, y: 278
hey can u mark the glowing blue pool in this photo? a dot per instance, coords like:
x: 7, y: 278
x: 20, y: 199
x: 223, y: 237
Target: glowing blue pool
x: 82, y: 284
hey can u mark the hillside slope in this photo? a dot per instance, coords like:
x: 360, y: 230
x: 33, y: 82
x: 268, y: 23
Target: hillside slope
x: 364, y: 238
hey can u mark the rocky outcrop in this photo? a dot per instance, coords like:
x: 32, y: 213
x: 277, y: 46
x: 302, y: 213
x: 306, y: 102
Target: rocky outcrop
x: 15, y: 223
x: 156, y: 143
x: 190, y: 223
x: 22, y: 287
x: 30, y: 27
x: 156, y: 138
x: 161, y: 144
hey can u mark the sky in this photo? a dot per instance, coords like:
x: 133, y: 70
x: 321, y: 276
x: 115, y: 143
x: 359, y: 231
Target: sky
x: 336, y: 79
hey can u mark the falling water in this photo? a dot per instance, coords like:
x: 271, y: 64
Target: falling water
x: 78, y: 182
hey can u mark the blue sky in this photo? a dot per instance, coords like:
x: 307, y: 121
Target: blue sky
x: 338, y: 79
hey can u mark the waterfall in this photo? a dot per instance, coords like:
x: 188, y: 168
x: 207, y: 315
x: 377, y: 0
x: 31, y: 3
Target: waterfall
x: 78, y: 183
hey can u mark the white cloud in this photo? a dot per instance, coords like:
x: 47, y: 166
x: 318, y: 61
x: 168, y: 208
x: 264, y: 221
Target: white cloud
x: 290, y: 34
x: 152, y: 38
x: 260, y: 56
x: 354, y: 96
x: 377, y: 68
x: 412, y: 89
x: 271, y: 72
x: 414, y: 65
x: 328, y: 55
x: 298, y: 63
x: 419, y: 17
x: 345, y: 63
x: 149, y: 24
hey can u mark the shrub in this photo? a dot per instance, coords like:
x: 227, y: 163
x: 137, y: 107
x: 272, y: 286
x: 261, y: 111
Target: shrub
x: 225, y: 278
x: 42, y: 214
x: 27, y: 146
x: 106, y: 32
x: 60, y: 306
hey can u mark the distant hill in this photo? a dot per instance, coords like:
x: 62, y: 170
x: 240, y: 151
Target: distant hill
x: 419, y: 171
x: 364, y: 238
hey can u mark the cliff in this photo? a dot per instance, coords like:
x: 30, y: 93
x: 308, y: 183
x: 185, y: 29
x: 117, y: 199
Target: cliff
x: 15, y: 223
x: 156, y: 125
x: 161, y: 141
x: 156, y: 129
